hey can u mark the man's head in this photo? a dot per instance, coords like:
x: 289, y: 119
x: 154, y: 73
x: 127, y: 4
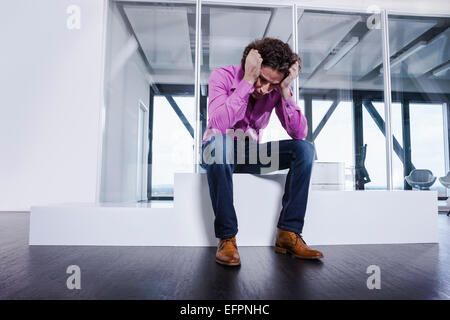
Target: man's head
x: 277, y: 59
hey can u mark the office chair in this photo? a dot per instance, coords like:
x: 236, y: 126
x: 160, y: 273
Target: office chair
x: 421, y: 179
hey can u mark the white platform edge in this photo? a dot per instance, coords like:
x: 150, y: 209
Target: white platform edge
x: 332, y: 218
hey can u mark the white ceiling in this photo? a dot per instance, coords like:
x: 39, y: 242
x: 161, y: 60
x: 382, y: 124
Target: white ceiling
x: 168, y: 42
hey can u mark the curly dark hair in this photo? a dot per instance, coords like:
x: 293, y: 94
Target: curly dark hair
x: 275, y: 54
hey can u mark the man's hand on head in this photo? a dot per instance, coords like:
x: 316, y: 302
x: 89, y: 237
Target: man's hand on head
x: 252, y: 66
x: 286, y: 83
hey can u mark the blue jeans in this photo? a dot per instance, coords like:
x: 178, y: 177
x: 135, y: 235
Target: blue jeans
x: 295, y: 155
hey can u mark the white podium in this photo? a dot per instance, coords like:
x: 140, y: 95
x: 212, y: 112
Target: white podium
x: 332, y: 217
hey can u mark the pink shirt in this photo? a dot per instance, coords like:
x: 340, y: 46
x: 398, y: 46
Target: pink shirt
x: 229, y: 107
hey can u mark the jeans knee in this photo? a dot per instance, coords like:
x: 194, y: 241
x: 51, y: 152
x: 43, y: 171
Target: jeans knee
x: 304, y: 150
x: 218, y: 150
x: 219, y: 168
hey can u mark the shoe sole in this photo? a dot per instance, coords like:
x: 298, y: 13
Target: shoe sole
x: 288, y: 252
x: 236, y: 264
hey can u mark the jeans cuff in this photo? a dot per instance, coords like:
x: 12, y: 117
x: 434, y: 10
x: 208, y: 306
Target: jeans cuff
x: 226, y: 236
x: 286, y: 228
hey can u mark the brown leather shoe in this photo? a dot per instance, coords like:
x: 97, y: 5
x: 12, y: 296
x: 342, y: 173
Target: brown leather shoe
x: 227, y: 252
x: 293, y: 243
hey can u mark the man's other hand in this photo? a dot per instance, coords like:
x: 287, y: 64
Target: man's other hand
x: 286, y: 83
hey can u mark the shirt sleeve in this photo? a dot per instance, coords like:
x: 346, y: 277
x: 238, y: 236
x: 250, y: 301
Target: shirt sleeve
x: 225, y: 110
x: 291, y: 118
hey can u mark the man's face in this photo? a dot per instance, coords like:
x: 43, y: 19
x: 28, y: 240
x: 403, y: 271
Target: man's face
x: 268, y: 80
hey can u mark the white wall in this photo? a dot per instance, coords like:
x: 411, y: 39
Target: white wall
x: 50, y: 89
x: 125, y: 84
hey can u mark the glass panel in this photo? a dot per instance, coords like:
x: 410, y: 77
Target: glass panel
x: 226, y: 31
x: 339, y: 124
x: 420, y: 73
x: 150, y: 58
x: 343, y: 93
x: 172, y: 149
x: 274, y: 130
x: 427, y: 140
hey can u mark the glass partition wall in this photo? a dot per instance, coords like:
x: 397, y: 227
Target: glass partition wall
x: 420, y: 77
x: 342, y: 94
x: 150, y: 62
x: 226, y: 31
x: 152, y: 100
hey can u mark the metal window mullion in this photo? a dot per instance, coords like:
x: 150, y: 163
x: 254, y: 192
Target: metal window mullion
x: 446, y: 119
x: 102, y: 116
x: 198, y: 21
x: 406, y: 133
x: 295, y: 47
x: 387, y: 97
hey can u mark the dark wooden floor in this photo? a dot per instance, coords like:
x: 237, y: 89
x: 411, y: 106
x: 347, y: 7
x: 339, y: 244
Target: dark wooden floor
x: 408, y: 271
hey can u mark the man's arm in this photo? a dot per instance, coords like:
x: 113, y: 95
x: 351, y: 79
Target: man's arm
x: 225, y: 110
x: 290, y: 115
x: 291, y: 118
